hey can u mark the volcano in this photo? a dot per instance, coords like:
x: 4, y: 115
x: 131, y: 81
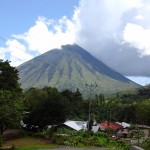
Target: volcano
x: 72, y: 67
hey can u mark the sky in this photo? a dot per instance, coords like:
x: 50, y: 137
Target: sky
x: 117, y: 32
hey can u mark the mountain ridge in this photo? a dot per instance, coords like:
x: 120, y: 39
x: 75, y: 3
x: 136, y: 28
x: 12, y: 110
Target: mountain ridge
x: 70, y: 68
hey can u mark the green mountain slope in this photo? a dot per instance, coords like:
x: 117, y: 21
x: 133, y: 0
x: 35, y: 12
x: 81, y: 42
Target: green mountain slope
x: 70, y: 68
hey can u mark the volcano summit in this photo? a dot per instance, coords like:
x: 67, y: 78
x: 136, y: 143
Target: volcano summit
x: 72, y: 67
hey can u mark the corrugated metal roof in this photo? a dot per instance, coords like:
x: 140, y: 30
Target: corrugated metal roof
x: 124, y: 124
x: 80, y: 125
x: 73, y: 125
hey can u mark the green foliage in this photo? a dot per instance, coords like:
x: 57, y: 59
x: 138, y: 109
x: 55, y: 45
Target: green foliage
x: 49, y: 108
x: 45, y: 133
x: 77, y: 138
x: 75, y: 99
x: 102, y: 108
x: 146, y: 144
x: 99, y: 108
x: 59, y: 139
x: 143, y: 112
x: 11, y: 108
x: 66, y: 131
x: 10, y: 97
x: 71, y: 141
x: 96, y: 141
x: 32, y: 97
x: 121, y: 145
x: 131, y: 106
x: 102, y: 134
x: 8, y: 77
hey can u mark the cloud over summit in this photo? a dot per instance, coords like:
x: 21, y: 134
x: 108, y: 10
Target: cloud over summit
x: 117, y: 32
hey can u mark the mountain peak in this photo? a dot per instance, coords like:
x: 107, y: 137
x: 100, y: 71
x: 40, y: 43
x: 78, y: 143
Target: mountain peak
x: 70, y: 68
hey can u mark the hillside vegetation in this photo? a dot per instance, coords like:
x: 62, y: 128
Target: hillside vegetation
x: 71, y: 67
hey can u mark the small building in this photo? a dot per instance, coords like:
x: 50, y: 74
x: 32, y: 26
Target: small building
x: 77, y: 125
x: 110, y: 125
x: 124, y: 124
x: 74, y: 125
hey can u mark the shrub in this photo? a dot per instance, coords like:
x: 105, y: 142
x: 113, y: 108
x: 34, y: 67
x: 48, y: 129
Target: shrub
x: 71, y: 142
x: 121, y: 145
x: 66, y: 131
x: 76, y: 138
x: 85, y: 134
x: 146, y: 144
x: 46, y: 132
x: 59, y: 139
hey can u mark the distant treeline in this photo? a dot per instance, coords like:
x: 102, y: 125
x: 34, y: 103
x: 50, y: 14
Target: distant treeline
x: 49, y: 106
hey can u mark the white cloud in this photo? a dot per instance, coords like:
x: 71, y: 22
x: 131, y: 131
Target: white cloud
x: 17, y: 52
x: 43, y: 36
x: 2, y: 53
x: 138, y: 37
x: 46, y: 34
x: 106, y: 28
x: 139, y: 17
x: 102, y: 19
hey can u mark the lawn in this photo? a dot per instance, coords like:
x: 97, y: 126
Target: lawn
x: 28, y: 143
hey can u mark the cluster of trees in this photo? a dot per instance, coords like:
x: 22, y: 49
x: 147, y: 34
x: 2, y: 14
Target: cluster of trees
x: 10, y: 97
x: 48, y: 106
x: 133, y: 106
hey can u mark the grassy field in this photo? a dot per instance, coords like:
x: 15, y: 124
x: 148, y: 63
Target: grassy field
x: 30, y: 143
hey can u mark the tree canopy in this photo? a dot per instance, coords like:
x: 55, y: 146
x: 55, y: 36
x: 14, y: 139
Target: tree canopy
x: 46, y: 106
x: 8, y: 77
x: 10, y: 97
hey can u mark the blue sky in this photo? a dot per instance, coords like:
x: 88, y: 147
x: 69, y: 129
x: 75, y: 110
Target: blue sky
x: 116, y: 32
x: 17, y: 16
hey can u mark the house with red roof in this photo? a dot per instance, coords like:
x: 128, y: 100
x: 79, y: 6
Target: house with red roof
x: 110, y: 125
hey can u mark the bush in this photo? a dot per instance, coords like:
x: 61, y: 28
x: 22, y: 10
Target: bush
x: 59, y: 139
x: 46, y: 132
x: 121, y: 145
x: 71, y: 142
x: 85, y: 134
x: 146, y: 144
x: 76, y: 138
x: 66, y: 131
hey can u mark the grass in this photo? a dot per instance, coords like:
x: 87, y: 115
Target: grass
x: 30, y: 143
x: 35, y: 147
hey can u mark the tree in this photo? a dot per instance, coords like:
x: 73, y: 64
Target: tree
x: 143, y: 112
x: 49, y: 109
x: 8, y: 77
x: 75, y: 99
x: 10, y: 97
x: 32, y: 97
x: 99, y: 107
x: 10, y: 110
